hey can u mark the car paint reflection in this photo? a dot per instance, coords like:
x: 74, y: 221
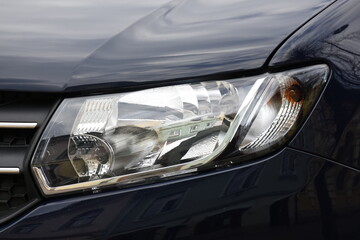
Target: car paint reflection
x: 210, y: 202
x: 331, y: 131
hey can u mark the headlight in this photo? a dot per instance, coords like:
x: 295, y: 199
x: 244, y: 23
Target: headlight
x: 116, y: 139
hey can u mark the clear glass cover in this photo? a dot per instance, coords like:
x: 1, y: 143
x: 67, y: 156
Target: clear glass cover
x: 104, y: 140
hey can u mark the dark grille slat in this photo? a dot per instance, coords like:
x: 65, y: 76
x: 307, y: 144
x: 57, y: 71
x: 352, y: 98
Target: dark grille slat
x: 13, y: 157
x: 16, y: 137
x: 8, y: 198
x: 18, y: 191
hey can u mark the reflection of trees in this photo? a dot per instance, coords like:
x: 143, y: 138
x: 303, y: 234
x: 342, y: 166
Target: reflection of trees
x: 336, y: 38
x: 348, y: 149
x: 342, y: 49
x: 329, y: 228
x: 333, y: 36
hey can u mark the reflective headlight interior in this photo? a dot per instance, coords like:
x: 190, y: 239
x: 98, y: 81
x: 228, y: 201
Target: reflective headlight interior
x: 97, y: 141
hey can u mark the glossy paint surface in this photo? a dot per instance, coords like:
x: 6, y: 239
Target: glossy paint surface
x: 333, y: 131
x: 289, y: 196
x: 42, y: 42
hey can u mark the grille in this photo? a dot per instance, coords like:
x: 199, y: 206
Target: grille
x: 13, y: 192
x: 17, y: 110
x: 16, y: 137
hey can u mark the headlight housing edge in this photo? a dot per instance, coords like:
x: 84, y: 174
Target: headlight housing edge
x: 119, y: 139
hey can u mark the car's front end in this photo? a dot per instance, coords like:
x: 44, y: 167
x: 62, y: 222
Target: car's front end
x: 179, y: 120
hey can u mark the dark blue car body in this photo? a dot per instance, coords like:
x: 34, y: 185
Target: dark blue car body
x: 309, y: 189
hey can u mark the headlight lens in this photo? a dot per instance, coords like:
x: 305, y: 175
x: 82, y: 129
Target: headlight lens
x: 97, y: 141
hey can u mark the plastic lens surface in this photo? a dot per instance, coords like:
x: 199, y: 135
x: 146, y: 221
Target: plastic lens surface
x: 114, y: 139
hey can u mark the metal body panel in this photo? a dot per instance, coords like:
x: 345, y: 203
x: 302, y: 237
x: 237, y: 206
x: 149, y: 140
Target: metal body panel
x: 104, y: 45
x: 333, y: 130
x: 291, y: 195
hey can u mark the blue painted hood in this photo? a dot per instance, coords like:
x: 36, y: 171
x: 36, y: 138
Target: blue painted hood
x: 64, y: 46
